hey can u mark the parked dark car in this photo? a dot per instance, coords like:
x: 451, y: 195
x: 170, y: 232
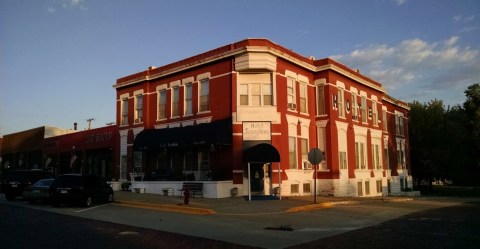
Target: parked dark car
x: 15, y: 181
x: 79, y: 189
x: 38, y: 191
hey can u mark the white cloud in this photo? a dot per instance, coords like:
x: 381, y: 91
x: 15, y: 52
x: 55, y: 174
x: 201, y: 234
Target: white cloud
x: 462, y: 18
x: 416, y: 65
x: 399, y: 2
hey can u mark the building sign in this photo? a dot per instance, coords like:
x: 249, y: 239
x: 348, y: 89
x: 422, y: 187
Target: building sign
x: 257, y: 131
x: 99, y: 137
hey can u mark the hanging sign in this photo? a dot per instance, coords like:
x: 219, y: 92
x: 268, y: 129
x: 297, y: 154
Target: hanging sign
x: 256, y: 131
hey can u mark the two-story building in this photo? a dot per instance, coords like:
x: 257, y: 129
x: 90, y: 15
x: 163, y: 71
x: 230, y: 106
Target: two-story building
x: 198, y: 119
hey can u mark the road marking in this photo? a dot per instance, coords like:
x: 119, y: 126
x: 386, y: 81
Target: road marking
x: 79, y: 211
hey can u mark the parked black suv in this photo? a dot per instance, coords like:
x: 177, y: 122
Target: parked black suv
x: 15, y: 181
x: 79, y: 189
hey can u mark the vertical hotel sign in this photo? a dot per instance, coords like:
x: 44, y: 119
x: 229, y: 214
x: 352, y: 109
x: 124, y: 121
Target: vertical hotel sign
x: 257, y: 131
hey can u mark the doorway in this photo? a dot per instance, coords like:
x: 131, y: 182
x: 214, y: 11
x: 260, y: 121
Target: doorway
x: 257, y: 175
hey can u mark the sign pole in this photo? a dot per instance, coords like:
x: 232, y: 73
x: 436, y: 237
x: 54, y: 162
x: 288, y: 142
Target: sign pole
x: 315, y: 157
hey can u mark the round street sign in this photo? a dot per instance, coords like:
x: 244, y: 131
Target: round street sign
x: 315, y: 156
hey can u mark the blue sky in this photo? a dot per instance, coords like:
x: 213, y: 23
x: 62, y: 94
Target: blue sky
x: 60, y: 58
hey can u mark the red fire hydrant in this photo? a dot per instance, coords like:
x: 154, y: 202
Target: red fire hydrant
x: 186, y: 196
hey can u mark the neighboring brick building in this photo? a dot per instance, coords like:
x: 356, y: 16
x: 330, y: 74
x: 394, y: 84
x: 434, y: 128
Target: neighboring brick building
x: 194, y: 119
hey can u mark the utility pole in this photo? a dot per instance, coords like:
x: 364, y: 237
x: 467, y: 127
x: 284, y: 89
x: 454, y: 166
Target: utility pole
x: 89, y: 121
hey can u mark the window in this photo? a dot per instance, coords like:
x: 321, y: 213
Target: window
x: 292, y: 152
x: 294, y: 188
x: 359, y: 188
x: 303, y: 98
x: 304, y: 149
x: 125, y: 111
x: 243, y: 92
x: 355, y: 110
x: 320, y: 100
x: 175, y: 102
x: 399, y: 124
x: 291, y: 91
x: 384, y: 120
x: 188, y: 99
x: 360, y: 155
x: 364, y: 109
x: 306, y: 188
x: 367, y: 188
x: 374, y: 113
x: 204, y: 95
x: 379, y: 186
x: 376, y: 156
x: 255, y: 89
x: 385, y: 151
x: 138, y: 108
x: 401, y: 154
x: 341, y: 105
x: 343, y: 159
x: 162, y: 104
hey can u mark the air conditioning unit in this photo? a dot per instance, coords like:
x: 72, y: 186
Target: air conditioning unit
x: 307, y: 165
x: 292, y: 106
x: 138, y: 120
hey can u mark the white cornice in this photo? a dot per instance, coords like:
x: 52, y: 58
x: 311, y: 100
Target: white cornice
x: 257, y: 49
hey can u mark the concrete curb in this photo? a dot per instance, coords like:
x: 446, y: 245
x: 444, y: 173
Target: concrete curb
x: 170, y: 208
x: 312, y: 207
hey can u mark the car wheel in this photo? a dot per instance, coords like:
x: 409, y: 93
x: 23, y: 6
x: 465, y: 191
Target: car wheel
x: 88, y: 201
x: 110, y: 198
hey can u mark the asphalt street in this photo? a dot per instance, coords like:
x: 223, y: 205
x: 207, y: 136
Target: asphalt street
x: 265, y: 230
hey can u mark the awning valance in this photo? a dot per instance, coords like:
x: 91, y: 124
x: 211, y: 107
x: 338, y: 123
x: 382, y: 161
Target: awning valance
x: 262, y: 153
x: 216, y: 133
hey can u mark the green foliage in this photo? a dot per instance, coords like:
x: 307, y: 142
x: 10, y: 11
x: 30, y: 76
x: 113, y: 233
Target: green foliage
x: 444, y: 141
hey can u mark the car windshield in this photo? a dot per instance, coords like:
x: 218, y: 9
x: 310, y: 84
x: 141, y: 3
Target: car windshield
x: 43, y: 183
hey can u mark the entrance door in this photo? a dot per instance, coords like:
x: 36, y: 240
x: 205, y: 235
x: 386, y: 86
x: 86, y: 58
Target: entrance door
x: 256, y: 177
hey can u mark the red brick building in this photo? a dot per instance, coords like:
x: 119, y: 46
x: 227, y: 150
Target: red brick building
x: 195, y: 118
x: 87, y: 152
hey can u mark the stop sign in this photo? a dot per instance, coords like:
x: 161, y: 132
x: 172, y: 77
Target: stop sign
x: 315, y: 156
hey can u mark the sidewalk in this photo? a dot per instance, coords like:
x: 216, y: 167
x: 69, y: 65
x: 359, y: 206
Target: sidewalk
x: 239, y: 205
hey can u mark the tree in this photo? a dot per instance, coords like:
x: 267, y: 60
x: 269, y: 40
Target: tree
x: 472, y: 112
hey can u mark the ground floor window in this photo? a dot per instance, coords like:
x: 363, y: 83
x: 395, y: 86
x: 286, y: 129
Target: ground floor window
x: 306, y: 188
x: 360, y: 189
x: 379, y: 186
x: 367, y: 188
x: 294, y: 188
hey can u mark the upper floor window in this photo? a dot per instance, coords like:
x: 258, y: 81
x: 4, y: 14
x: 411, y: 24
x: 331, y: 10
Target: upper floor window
x: 255, y: 90
x: 303, y: 97
x: 175, y: 102
x: 376, y: 159
x: 401, y: 154
x: 399, y: 124
x: 291, y: 93
x: 138, y: 108
x: 320, y: 100
x: 124, y: 120
x: 292, y: 152
x: 384, y: 120
x: 364, y: 109
x: 374, y: 113
x: 355, y: 110
x: 360, y: 155
x: 304, y: 149
x: 204, y: 95
x: 341, y: 102
x: 162, y: 104
x: 343, y: 159
x: 188, y: 99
